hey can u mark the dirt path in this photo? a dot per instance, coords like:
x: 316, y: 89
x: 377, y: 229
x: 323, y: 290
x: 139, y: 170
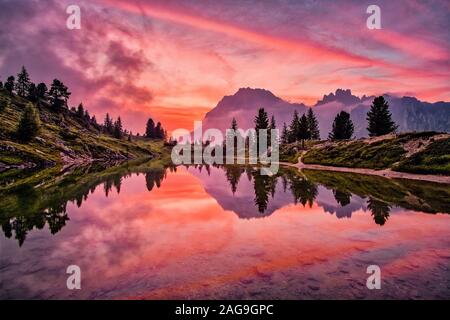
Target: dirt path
x: 387, y: 173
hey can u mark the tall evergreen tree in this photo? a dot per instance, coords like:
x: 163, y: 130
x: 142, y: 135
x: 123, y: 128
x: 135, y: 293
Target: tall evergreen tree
x: 118, y: 129
x: 294, y: 128
x: 379, y: 118
x: 313, y: 125
x: 23, y: 82
x: 285, y: 134
x: 234, y: 127
x: 342, y: 127
x: 108, y: 124
x: 159, y: 131
x: 10, y: 84
x: 29, y: 124
x: 150, y: 129
x: 272, y: 126
x: 32, y: 94
x: 303, y: 130
x: 261, y: 122
x: 80, y: 111
x: 59, y: 94
x: 42, y: 91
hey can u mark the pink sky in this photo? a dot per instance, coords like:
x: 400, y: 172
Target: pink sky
x: 174, y: 60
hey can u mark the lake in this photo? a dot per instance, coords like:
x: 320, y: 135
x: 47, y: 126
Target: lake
x: 149, y: 231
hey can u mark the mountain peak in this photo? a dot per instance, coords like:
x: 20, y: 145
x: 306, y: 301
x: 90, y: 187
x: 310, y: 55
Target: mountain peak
x: 252, y: 92
x: 344, y: 96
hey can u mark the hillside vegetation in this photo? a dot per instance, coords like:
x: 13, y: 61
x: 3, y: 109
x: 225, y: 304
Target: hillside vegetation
x: 64, y: 139
x: 424, y: 153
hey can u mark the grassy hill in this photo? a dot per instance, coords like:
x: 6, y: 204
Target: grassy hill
x: 422, y: 152
x: 64, y: 139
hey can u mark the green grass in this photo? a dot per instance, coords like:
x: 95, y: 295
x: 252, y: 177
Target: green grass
x: 357, y: 154
x: 435, y: 159
x: 410, y: 194
x: 63, y: 136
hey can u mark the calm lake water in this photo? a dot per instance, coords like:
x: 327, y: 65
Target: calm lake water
x: 153, y: 232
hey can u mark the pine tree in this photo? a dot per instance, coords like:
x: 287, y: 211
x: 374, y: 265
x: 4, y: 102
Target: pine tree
x: 129, y: 137
x: 29, y: 124
x: 118, y: 130
x: 150, y: 129
x: 272, y: 126
x: 285, y: 134
x: 313, y: 126
x: 59, y: 94
x: 380, y: 118
x: 294, y: 128
x: 42, y: 91
x: 159, y: 131
x: 261, y: 122
x: 303, y: 130
x: 10, y: 84
x: 32, y: 94
x: 234, y: 127
x: 342, y: 127
x: 23, y: 83
x: 108, y: 124
x: 80, y: 110
x: 1, y: 85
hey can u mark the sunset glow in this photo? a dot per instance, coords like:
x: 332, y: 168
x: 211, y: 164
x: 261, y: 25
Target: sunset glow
x: 174, y: 60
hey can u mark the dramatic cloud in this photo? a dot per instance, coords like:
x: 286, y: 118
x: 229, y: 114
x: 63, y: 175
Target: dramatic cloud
x: 173, y: 60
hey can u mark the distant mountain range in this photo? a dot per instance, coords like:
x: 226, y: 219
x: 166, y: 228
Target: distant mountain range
x: 409, y: 113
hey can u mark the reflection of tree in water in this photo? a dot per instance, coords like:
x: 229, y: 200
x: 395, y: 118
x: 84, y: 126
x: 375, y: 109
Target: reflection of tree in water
x: 233, y: 174
x: 55, y: 217
x: 342, y: 197
x: 263, y: 185
x: 29, y: 207
x: 154, y: 177
x: 303, y: 190
x: 380, y: 211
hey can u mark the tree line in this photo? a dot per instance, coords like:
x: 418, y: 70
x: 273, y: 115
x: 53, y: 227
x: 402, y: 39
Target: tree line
x: 306, y: 127
x: 57, y: 97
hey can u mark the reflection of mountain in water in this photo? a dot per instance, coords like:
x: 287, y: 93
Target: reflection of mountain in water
x: 248, y: 194
x: 38, y: 206
x: 240, y: 189
x: 343, y: 204
x: 251, y: 195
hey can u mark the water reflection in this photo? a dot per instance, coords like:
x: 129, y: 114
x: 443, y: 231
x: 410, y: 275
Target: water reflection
x: 254, y: 196
x: 149, y: 230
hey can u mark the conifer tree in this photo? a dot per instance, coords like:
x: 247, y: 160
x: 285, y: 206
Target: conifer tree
x: 379, y: 118
x: 150, y: 129
x: 23, y: 83
x: 59, y: 94
x: 29, y: 124
x: 313, y: 125
x: 303, y: 130
x: 108, y: 124
x: 294, y: 128
x: 42, y: 91
x: 118, y: 129
x: 10, y: 84
x: 285, y: 134
x: 342, y: 127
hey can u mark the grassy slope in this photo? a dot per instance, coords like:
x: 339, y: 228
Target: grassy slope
x: 385, y: 153
x: 410, y: 194
x: 63, y: 138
